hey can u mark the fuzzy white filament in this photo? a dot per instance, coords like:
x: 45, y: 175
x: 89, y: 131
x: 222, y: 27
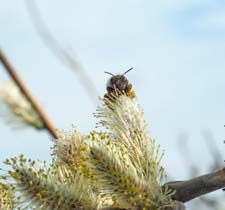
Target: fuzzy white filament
x: 67, y: 146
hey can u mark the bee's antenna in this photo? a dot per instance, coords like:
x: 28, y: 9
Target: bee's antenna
x: 128, y: 70
x: 109, y: 73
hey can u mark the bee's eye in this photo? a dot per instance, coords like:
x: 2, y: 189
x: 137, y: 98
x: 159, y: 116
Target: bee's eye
x: 128, y: 87
x: 109, y: 89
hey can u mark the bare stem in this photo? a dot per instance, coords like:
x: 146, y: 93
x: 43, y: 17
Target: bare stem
x: 14, y: 75
x: 190, y: 189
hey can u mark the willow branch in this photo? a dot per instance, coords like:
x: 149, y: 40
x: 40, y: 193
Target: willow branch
x: 188, y: 190
x: 176, y: 206
x: 193, y: 188
x: 14, y: 75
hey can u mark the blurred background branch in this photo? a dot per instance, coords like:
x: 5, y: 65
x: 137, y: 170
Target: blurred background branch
x: 194, y: 170
x: 62, y: 54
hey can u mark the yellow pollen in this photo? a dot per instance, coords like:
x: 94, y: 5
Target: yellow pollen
x: 131, y: 93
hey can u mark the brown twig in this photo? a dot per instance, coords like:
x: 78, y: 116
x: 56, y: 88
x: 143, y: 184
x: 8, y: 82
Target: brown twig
x: 14, y: 75
x: 188, y: 190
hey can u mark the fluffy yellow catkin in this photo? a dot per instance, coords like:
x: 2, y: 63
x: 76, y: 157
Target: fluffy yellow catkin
x: 120, y: 165
x: 20, y: 112
x: 129, y: 165
x: 6, y: 197
x: 55, y: 188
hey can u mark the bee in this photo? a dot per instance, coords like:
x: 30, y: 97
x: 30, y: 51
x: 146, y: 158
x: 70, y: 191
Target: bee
x: 119, y: 84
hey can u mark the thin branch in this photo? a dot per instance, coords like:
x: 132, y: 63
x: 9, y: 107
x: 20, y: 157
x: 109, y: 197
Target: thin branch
x: 14, y: 75
x: 60, y: 52
x: 188, y: 190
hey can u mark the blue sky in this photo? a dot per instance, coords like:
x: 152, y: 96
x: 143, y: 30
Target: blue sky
x: 177, y: 49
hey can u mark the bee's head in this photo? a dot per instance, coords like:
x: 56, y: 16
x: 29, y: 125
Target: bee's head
x: 118, y: 82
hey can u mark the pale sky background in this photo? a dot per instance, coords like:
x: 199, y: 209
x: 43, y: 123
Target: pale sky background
x: 177, y: 49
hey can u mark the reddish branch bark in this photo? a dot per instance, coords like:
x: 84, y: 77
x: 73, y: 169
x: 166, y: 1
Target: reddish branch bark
x: 13, y: 74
